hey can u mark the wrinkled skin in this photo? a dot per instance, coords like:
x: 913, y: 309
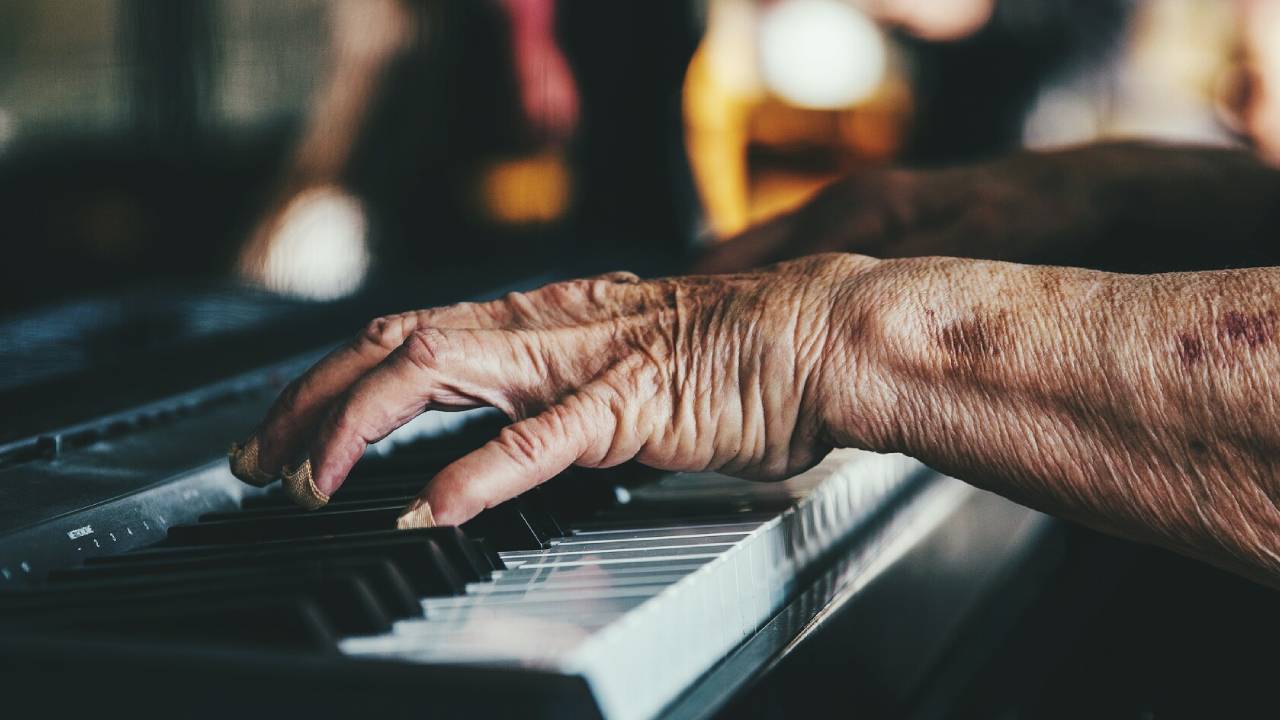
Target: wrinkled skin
x: 697, y: 373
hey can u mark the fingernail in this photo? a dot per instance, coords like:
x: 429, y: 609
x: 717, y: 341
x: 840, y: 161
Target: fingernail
x: 418, y: 515
x: 245, y: 464
x: 300, y: 486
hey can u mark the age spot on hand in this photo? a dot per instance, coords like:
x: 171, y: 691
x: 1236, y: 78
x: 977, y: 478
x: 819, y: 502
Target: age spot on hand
x: 1190, y: 349
x: 1252, y: 329
x: 973, y: 339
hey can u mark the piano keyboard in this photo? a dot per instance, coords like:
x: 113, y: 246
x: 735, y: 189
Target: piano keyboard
x: 640, y: 607
x: 636, y: 591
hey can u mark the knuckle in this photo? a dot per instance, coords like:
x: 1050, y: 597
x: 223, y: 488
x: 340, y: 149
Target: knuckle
x: 515, y: 299
x: 517, y: 305
x: 522, y: 442
x: 426, y: 348
x: 558, y: 417
x: 487, y: 311
x: 564, y: 293
x: 385, y: 332
x: 622, y: 277
x: 598, y: 290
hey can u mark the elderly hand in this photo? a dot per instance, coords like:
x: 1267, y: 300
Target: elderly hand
x: 1141, y: 405
x: 736, y: 373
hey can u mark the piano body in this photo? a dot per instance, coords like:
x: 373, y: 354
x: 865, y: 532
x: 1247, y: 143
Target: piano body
x: 130, y: 558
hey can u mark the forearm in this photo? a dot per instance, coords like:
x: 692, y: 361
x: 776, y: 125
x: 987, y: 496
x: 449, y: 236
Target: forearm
x: 1143, y: 406
x: 1152, y: 207
x: 1128, y: 206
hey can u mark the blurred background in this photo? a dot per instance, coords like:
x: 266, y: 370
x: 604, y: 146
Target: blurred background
x: 304, y: 146
x: 214, y: 184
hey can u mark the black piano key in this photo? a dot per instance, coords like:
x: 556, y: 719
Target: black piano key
x: 347, y: 600
x: 532, y: 507
x: 284, y: 527
x: 389, y: 583
x: 273, y: 499
x: 350, y: 492
x: 400, y: 487
x: 474, y: 553
x: 382, y: 469
x: 264, y: 513
x: 432, y: 569
x: 449, y: 543
x: 286, y: 622
x: 506, y: 527
x: 475, y: 560
x: 579, y: 494
x: 383, y: 578
x: 541, y: 513
x: 609, y: 521
x: 486, y: 551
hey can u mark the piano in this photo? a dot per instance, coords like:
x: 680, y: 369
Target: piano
x: 138, y: 576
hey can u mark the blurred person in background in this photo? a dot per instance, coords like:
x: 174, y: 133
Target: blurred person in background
x: 933, y: 82
x: 1257, y: 104
x: 629, y: 59
x: 429, y: 134
x: 1117, y: 204
x: 537, y: 129
x: 315, y: 211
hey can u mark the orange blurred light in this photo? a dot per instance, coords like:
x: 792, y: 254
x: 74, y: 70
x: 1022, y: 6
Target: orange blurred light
x: 526, y: 190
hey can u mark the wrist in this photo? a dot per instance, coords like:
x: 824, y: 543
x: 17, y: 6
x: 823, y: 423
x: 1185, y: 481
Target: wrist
x: 875, y: 375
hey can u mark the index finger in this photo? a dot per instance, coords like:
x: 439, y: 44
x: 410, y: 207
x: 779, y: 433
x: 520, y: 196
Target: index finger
x: 582, y: 429
x: 297, y: 413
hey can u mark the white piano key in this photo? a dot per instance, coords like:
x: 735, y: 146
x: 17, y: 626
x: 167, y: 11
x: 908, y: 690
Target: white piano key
x: 624, y: 550
x: 641, y: 611
x: 570, y: 595
x: 512, y: 588
x: 734, y: 531
x: 641, y: 529
x: 590, y: 561
x: 538, y: 608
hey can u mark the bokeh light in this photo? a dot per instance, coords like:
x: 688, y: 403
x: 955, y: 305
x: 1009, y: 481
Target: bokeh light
x: 820, y: 54
x: 318, y: 248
